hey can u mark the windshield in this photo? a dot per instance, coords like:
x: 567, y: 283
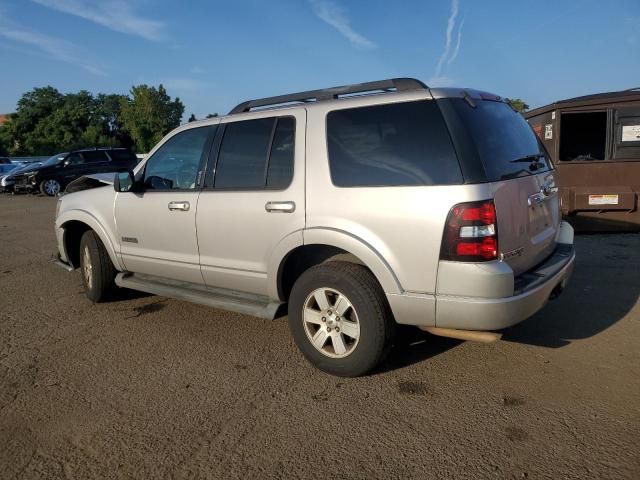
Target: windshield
x: 504, y: 140
x: 54, y: 160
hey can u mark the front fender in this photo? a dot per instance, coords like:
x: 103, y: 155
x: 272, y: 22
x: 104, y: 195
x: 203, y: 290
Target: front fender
x: 89, y: 219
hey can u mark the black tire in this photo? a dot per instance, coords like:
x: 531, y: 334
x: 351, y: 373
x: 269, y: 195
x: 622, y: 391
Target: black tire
x: 376, y: 321
x: 102, y: 272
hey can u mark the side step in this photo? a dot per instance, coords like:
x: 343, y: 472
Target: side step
x: 240, y: 302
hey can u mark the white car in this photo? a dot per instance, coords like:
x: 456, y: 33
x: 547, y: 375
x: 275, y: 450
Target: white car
x: 360, y: 207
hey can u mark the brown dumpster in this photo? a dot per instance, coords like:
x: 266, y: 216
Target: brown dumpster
x: 594, y: 142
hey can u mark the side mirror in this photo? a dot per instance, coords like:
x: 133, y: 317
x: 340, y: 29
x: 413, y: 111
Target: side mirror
x: 123, y: 181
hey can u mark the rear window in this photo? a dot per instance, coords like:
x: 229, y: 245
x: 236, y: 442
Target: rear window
x: 503, y: 139
x: 400, y: 144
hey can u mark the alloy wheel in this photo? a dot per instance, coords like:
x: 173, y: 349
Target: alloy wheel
x: 331, y: 322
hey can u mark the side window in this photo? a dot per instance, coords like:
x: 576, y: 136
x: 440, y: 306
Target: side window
x: 280, y: 170
x: 583, y: 136
x: 95, y: 157
x: 175, y: 165
x: 243, y: 154
x: 391, y: 145
x: 122, y: 156
x: 74, y: 159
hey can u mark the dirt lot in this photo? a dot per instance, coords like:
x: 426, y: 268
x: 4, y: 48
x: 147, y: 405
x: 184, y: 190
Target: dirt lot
x: 150, y: 387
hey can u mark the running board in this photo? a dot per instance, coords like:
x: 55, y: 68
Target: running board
x: 234, y: 301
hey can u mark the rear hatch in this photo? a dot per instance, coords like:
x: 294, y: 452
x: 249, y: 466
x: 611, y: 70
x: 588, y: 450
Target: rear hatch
x: 520, y: 173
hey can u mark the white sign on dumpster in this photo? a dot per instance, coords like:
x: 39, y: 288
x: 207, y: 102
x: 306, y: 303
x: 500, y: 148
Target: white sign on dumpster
x: 631, y: 133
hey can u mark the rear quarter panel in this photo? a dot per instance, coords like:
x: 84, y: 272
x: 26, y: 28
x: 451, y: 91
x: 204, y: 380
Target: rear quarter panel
x: 403, y: 226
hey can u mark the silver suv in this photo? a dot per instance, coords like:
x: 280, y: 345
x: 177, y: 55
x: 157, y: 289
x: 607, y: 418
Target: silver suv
x: 360, y: 207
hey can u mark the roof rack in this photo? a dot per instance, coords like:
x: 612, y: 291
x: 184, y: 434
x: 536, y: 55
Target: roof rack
x: 393, y: 84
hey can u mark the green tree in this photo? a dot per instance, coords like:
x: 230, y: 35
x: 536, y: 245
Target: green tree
x: 149, y: 114
x: 32, y: 113
x: 3, y: 149
x: 192, y: 118
x: 518, y: 104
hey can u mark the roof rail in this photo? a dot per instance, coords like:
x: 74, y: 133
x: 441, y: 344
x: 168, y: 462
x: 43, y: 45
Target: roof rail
x: 393, y: 84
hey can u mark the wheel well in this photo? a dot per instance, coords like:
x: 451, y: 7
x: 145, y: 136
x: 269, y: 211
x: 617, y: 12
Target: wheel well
x: 73, y: 231
x: 302, y: 258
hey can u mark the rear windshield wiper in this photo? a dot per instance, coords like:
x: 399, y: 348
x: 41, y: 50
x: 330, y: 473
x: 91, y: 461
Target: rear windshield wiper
x: 532, y: 160
x: 528, y: 158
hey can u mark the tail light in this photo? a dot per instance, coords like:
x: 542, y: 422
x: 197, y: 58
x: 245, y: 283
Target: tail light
x: 471, y: 233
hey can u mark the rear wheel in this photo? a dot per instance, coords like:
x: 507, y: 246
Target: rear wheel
x: 340, y: 319
x: 98, y: 272
x: 50, y: 187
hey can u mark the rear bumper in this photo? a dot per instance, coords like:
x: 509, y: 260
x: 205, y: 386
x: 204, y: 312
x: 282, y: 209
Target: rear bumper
x: 531, y: 292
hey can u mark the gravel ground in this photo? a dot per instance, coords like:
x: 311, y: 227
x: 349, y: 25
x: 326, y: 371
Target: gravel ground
x: 150, y: 387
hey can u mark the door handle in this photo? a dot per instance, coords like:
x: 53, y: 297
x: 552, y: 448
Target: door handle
x: 280, y: 207
x: 184, y: 206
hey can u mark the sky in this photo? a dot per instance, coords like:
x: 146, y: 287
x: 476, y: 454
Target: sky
x: 215, y: 54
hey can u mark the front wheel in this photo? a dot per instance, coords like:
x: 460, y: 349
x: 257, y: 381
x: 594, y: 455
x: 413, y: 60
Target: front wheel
x: 340, y: 319
x: 98, y: 272
x: 50, y: 187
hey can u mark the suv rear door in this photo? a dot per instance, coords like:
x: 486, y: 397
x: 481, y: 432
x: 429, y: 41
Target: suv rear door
x: 254, y: 198
x: 523, y: 184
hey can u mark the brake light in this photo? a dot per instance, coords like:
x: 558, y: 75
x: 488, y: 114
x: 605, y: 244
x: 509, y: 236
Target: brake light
x: 471, y: 233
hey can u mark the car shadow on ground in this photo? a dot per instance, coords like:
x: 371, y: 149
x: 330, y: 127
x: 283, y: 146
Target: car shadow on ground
x: 604, y: 287
x: 125, y: 294
x: 412, y: 345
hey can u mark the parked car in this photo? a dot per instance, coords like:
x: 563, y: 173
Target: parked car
x: 7, y: 179
x: 360, y: 206
x: 594, y: 142
x: 58, y: 171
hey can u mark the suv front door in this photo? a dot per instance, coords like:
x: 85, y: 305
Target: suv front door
x: 156, y: 226
x: 254, y: 201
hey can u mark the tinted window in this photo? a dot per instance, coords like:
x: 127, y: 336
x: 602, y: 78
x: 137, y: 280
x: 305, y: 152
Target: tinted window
x: 94, y: 157
x: 175, y: 164
x: 388, y: 145
x: 243, y: 154
x: 122, y: 156
x: 501, y: 135
x: 280, y: 171
x: 74, y: 159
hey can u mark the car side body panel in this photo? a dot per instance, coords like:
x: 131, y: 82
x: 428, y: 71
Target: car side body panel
x: 94, y: 208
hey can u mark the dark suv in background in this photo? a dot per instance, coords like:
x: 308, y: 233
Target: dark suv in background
x: 58, y: 171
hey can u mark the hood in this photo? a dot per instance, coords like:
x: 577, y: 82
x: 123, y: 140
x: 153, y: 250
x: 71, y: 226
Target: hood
x: 87, y: 182
x: 26, y: 168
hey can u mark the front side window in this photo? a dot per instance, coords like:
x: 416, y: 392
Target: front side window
x: 391, y: 145
x: 256, y: 154
x: 74, y: 159
x: 175, y: 165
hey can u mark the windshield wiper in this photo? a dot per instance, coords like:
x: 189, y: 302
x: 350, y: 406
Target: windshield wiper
x: 532, y: 160
x: 528, y: 158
